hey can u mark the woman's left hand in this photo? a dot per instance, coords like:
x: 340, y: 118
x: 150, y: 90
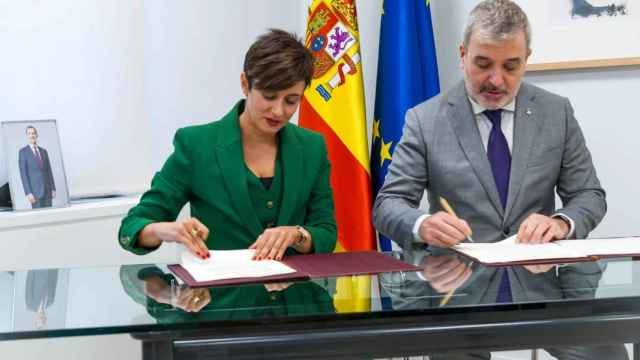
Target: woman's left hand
x: 273, y: 242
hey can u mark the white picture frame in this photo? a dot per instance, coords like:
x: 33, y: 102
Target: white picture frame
x: 570, y: 34
x: 34, y: 174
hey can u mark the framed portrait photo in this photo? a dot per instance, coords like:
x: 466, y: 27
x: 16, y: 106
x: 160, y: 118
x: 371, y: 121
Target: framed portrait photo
x: 33, y: 158
x: 575, y: 34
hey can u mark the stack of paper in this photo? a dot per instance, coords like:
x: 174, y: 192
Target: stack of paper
x: 510, y: 252
x: 235, y: 267
x: 231, y: 264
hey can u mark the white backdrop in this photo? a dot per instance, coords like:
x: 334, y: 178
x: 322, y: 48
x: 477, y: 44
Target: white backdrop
x: 120, y: 77
x: 80, y: 62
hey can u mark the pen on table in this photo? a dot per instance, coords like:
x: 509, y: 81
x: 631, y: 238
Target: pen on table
x: 448, y: 296
x: 445, y: 205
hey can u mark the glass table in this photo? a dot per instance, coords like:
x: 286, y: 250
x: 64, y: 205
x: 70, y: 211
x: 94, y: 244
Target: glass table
x: 449, y: 307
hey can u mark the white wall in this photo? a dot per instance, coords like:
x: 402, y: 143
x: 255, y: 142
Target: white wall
x: 121, y: 76
x: 79, y: 63
x: 194, y: 51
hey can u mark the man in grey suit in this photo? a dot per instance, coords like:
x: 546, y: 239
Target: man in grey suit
x: 35, y: 172
x: 498, y: 150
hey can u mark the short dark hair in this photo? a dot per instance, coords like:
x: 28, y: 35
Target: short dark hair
x: 30, y: 127
x: 276, y: 61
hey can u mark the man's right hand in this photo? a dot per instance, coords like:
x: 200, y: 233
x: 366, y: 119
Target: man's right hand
x: 445, y: 273
x: 31, y: 199
x: 191, y: 233
x: 443, y: 230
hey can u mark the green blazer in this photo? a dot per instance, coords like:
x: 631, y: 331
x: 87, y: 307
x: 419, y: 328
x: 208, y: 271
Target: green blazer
x: 207, y: 169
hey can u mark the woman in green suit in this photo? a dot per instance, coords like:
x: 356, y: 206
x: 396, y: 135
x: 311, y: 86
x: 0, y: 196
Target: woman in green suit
x: 252, y: 179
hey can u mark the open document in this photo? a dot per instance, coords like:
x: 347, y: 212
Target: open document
x: 231, y: 264
x: 510, y: 252
x: 235, y: 267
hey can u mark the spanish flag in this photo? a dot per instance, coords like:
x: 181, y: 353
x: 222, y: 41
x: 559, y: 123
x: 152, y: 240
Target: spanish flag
x: 334, y: 106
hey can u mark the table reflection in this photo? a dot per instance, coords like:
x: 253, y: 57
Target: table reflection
x: 474, y: 284
x: 168, y: 300
x: 460, y: 282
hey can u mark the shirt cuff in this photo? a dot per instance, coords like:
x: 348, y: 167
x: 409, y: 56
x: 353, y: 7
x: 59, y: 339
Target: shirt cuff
x: 416, y: 228
x: 572, y: 224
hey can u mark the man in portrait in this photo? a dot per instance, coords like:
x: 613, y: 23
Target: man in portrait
x: 35, y: 172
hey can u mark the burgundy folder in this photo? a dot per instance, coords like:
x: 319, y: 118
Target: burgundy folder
x: 314, y: 266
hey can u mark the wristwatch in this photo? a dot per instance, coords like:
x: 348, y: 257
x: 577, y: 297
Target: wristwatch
x: 304, y: 236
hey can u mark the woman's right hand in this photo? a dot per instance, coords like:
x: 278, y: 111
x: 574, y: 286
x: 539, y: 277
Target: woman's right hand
x: 190, y: 232
x: 181, y: 296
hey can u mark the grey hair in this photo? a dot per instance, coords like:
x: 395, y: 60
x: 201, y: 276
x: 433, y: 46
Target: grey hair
x: 497, y: 20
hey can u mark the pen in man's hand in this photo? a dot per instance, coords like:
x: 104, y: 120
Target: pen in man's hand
x: 445, y: 205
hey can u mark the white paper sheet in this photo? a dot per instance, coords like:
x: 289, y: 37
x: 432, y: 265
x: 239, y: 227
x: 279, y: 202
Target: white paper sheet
x: 613, y: 246
x: 509, y: 250
x: 492, y: 253
x: 230, y: 264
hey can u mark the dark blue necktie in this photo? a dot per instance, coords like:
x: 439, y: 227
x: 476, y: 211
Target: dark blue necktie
x: 500, y: 160
x: 499, y: 155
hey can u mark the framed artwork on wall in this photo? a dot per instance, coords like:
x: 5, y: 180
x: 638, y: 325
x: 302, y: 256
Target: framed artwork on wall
x: 574, y: 34
x: 33, y: 158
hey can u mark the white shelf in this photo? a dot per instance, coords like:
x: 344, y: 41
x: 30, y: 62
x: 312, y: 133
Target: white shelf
x: 90, y: 209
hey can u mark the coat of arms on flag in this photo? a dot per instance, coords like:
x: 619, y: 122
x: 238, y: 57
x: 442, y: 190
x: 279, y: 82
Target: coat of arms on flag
x: 330, y: 36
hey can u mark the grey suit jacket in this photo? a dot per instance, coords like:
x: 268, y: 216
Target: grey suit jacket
x: 441, y: 151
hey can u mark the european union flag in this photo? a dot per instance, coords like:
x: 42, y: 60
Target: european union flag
x: 407, y: 76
